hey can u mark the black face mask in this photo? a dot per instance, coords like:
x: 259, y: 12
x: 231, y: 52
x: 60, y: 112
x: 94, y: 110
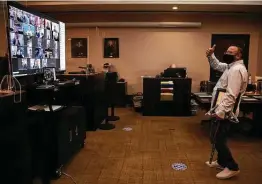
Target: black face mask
x: 227, y: 58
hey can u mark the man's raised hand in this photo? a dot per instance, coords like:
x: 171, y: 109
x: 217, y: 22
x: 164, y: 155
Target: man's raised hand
x: 210, y: 51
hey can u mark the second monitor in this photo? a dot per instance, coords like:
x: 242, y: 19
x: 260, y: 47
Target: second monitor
x: 175, y: 73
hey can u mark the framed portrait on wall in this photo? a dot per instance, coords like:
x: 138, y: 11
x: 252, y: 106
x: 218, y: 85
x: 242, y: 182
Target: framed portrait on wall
x: 111, y: 48
x: 79, y: 48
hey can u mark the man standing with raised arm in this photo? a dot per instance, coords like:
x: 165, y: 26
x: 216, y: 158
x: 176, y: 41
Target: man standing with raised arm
x: 234, y: 80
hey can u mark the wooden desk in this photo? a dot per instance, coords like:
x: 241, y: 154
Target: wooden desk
x: 249, y: 103
x: 204, y: 100
x: 55, y: 137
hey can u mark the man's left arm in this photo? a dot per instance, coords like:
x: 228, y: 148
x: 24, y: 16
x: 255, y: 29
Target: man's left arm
x: 235, y: 80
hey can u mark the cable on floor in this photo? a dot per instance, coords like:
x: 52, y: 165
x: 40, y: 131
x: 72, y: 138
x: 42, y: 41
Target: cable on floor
x: 69, y: 176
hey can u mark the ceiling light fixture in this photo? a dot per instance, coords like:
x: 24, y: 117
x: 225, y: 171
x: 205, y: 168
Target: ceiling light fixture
x: 138, y: 24
x: 175, y: 8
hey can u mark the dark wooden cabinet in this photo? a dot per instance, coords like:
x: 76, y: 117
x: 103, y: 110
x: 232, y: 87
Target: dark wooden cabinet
x: 61, y: 134
x: 178, y: 106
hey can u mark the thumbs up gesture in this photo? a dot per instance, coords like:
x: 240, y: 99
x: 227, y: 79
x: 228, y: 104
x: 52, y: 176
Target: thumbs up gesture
x: 210, y: 51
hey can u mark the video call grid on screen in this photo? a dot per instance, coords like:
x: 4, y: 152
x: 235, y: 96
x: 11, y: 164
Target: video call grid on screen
x: 34, y: 41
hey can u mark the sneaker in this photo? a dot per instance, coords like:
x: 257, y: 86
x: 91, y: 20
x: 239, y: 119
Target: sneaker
x: 226, y: 174
x: 214, y: 164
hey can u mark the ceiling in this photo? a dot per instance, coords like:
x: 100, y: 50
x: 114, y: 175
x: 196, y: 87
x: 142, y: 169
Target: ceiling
x: 146, y: 6
x: 236, y: 2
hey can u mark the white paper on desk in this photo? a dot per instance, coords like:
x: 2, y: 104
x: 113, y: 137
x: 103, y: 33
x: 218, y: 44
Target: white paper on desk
x: 205, y: 96
x: 35, y: 108
x: 54, y: 107
x: 249, y: 99
x: 44, y: 107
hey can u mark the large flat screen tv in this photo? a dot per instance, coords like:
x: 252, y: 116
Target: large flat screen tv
x: 35, y: 41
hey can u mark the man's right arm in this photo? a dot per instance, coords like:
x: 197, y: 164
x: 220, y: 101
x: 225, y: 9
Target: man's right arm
x: 216, y: 64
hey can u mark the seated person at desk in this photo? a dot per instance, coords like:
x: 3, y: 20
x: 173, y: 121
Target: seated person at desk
x: 234, y: 80
x: 172, y: 66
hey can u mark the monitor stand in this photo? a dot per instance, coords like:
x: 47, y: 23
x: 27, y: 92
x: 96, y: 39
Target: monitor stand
x: 106, y: 126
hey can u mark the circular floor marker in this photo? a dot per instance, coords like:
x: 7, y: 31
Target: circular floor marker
x: 179, y: 166
x: 127, y: 129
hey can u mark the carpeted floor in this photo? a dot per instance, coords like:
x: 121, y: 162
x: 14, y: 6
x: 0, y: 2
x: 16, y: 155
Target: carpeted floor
x: 145, y: 154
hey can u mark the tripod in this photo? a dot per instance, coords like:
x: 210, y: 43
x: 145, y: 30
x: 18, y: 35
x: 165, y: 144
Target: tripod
x: 215, y: 124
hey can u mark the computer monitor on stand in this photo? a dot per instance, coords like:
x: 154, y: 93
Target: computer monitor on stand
x: 175, y: 73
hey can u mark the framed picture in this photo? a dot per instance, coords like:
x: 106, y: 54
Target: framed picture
x: 111, y: 48
x: 79, y: 48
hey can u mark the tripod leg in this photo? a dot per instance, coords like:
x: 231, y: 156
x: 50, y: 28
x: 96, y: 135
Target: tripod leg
x: 212, y: 153
x: 213, y: 139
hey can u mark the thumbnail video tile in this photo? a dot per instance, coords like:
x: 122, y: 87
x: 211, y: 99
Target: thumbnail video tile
x: 35, y: 63
x: 22, y: 64
x: 29, y: 30
x: 39, y: 53
x: 47, y: 24
x: 44, y: 63
x: 29, y: 52
x: 17, y: 39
